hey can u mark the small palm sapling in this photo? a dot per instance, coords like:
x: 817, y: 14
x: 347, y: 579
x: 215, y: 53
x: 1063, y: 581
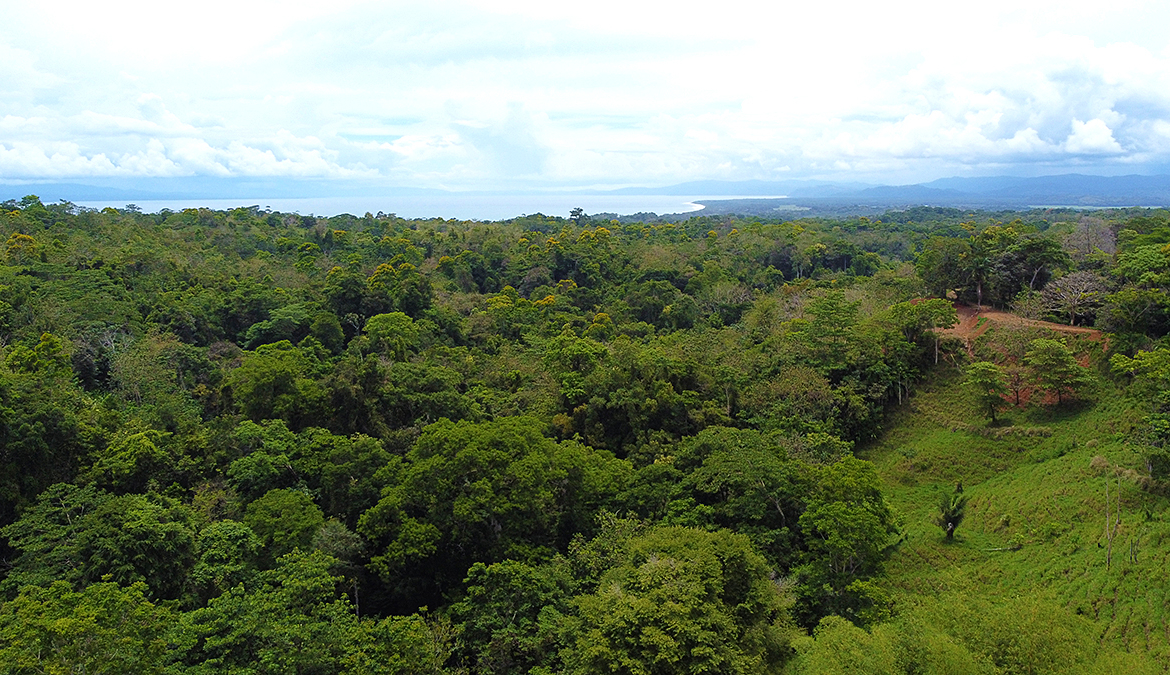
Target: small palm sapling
x: 952, y: 509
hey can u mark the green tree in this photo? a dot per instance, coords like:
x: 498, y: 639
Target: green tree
x: 397, y: 288
x: 1056, y: 369
x: 937, y: 313
x: 737, y: 479
x: 45, y: 534
x: 977, y: 263
x: 284, y: 520
x: 138, y: 538
x: 277, y: 380
x: 1151, y: 386
x: 847, y: 528
x: 131, y: 462
x: 826, y: 336
x: 1136, y: 310
x: 841, y: 648
x: 682, y: 601
x: 258, y: 472
x: 661, y: 304
x: 291, y: 322
x: 511, y: 615
x: 1032, y: 260
x: 940, y: 264
x: 924, y: 317
x: 292, y: 621
x: 1145, y: 265
x: 908, y: 645
x: 103, y: 628
x: 326, y: 328
x: 83, y: 535
x: 392, y: 334
x: 484, y: 493
x: 342, y: 471
x: 48, y: 357
x: 226, y: 553
x: 399, y: 645
x: 989, y: 383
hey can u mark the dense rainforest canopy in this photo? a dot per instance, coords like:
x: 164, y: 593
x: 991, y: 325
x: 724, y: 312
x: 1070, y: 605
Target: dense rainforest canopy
x: 254, y: 442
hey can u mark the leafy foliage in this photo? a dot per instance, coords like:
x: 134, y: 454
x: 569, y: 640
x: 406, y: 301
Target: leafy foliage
x: 687, y: 601
x: 103, y: 628
x: 275, y: 438
x: 951, y: 511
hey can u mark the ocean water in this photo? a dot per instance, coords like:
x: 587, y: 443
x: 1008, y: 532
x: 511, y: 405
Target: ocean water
x: 463, y: 207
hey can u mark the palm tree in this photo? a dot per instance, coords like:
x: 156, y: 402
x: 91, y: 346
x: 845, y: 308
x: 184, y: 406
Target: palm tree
x: 951, y: 511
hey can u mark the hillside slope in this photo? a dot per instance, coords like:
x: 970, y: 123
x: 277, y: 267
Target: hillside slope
x: 1036, y: 519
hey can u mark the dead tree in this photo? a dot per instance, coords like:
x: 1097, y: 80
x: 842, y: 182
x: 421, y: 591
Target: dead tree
x: 1112, y: 521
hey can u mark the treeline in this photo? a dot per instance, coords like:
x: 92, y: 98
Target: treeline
x: 1110, y: 271
x: 248, y: 441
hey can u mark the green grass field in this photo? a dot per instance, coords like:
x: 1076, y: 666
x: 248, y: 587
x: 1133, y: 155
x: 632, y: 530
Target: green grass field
x: 1036, y: 519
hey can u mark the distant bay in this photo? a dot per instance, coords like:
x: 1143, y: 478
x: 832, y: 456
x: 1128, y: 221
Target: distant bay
x: 463, y: 207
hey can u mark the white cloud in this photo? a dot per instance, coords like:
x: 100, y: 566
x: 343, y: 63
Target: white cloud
x: 24, y: 160
x: 482, y: 93
x: 1091, y: 138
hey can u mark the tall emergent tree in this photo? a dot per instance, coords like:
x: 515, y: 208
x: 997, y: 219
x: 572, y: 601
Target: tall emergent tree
x: 1075, y: 295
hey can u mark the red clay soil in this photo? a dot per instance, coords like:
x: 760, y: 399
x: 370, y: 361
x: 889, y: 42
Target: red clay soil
x: 970, y: 328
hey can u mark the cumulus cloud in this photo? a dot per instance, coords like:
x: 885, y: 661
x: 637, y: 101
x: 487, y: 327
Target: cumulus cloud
x: 475, y: 93
x: 60, y: 159
x: 1091, y: 138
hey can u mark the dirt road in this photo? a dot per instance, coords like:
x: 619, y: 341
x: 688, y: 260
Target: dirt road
x: 969, y: 326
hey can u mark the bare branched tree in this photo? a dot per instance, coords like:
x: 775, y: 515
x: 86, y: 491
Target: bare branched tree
x: 1112, y: 521
x: 1091, y: 235
x: 1075, y: 295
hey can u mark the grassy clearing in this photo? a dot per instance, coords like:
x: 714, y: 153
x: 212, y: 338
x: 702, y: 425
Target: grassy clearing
x: 1037, y: 494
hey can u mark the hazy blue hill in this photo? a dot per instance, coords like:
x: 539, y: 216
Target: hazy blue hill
x: 758, y: 188
x: 981, y: 185
x: 1091, y: 190
x: 913, y: 193
x: 990, y: 192
x: 1065, y: 189
x: 983, y: 192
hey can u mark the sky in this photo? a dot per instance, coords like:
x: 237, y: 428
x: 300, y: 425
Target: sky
x: 510, y: 94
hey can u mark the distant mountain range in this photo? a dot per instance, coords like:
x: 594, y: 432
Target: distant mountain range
x: 1064, y: 190
x: 988, y: 192
x: 744, y: 188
